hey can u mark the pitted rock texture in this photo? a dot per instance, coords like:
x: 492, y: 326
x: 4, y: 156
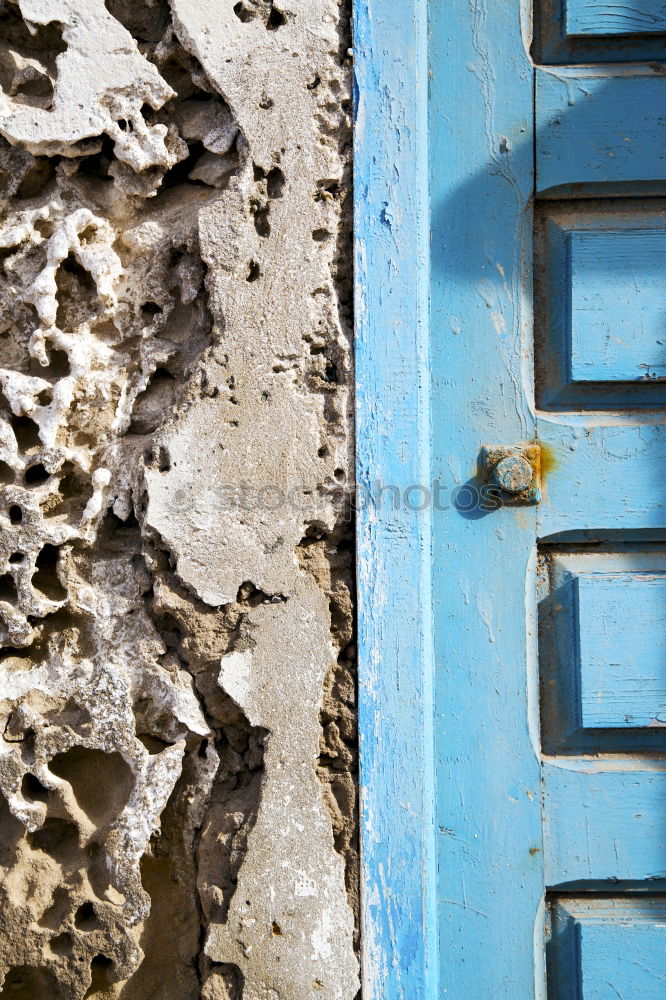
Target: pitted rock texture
x: 177, y: 768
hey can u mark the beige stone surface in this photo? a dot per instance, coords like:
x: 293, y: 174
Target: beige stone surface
x: 177, y: 790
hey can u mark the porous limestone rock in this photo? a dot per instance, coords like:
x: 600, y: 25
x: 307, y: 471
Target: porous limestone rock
x: 176, y: 673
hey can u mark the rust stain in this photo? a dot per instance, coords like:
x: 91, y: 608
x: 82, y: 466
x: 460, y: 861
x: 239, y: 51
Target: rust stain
x: 549, y: 460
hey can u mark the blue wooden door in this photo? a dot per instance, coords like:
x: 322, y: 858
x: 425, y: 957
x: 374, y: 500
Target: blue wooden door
x: 548, y: 359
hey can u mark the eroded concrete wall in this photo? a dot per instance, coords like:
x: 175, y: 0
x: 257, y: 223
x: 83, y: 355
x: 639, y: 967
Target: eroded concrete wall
x: 176, y: 675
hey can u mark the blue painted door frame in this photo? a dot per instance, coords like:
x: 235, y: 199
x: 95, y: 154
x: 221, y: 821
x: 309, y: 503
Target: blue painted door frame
x: 393, y: 454
x: 511, y: 710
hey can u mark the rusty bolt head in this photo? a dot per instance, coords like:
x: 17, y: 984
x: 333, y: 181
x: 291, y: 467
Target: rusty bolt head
x: 513, y: 473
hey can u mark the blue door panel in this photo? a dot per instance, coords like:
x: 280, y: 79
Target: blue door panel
x: 602, y: 651
x: 622, y: 650
x: 601, y: 18
x: 617, y: 304
x: 603, y: 822
x: 600, y: 129
x: 600, y: 272
x: 608, y: 947
x: 603, y: 476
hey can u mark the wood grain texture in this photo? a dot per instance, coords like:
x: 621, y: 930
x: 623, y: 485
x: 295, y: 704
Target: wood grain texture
x: 395, y: 642
x: 599, y: 31
x: 618, y: 305
x: 432, y: 390
x: 601, y: 650
x: 600, y: 128
x: 490, y: 857
x: 604, y: 820
x: 613, y: 17
x: 608, y: 947
x: 622, y: 642
x: 599, y: 267
x: 604, y: 476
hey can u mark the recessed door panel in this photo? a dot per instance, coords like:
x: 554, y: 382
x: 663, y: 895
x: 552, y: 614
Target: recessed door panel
x: 599, y: 31
x: 602, y: 649
x: 601, y: 18
x: 604, y: 821
x: 617, y: 304
x: 600, y: 294
x: 600, y: 129
x: 608, y: 947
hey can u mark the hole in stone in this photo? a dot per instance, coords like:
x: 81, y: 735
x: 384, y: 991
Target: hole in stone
x: 123, y: 125
x: 11, y: 834
x: 275, y: 19
x: 242, y: 13
x: 26, y: 432
x: 8, y: 592
x: 45, y: 579
x: 28, y: 982
x: 146, y: 22
x: 30, y: 75
x: 97, y: 165
x: 45, y: 397
x: 277, y: 930
x: 61, y: 944
x: 58, y: 838
x: 314, y: 83
x: 15, y: 514
x: 153, y: 744
x: 153, y: 405
x: 74, y: 491
x: 5, y: 254
x: 57, y: 368
x: 98, y: 870
x: 228, y: 982
x: 35, y: 179
x: 86, y: 919
x: 44, y: 227
x: 88, y: 235
x: 339, y: 474
x: 321, y: 235
x: 275, y: 183
x: 7, y: 474
x: 76, y: 293
x: 150, y: 309
x: 261, y: 223
x: 36, y: 475
x: 101, y: 782
x: 253, y: 271
x: 331, y: 373
x: 55, y: 915
x: 100, y: 973
x: 163, y: 458
x: 250, y: 596
x: 33, y: 790
x: 16, y: 558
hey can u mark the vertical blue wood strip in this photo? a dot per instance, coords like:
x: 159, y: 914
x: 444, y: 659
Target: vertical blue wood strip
x: 490, y: 859
x: 395, y: 643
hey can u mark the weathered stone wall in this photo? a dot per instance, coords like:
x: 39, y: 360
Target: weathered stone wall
x: 177, y: 767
